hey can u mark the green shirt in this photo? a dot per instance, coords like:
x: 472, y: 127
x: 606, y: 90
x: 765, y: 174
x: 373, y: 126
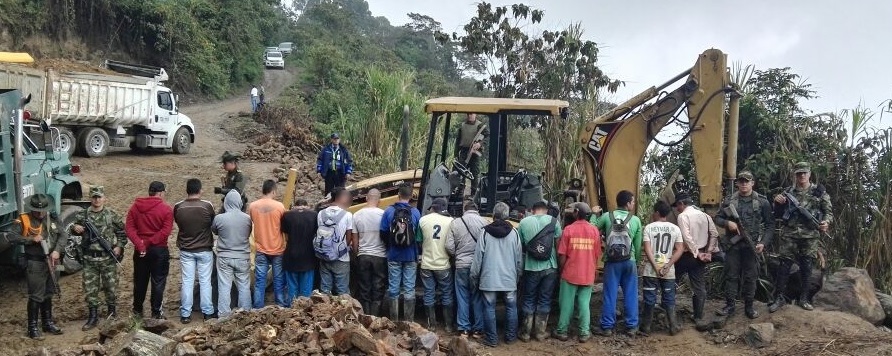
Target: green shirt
x: 604, y: 224
x: 528, y: 229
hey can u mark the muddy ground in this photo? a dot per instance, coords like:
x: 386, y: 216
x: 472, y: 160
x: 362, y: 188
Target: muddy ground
x: 126, y: 175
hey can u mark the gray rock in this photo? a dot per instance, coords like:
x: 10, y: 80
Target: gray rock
x: 852, y: 291
x: 886, y: 302
x: 759, y: 335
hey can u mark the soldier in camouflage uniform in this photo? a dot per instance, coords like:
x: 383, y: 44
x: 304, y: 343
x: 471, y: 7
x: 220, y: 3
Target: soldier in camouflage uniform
x: 233, y: 179
x: 755, y: 222
x: 100, y: 269
x: 35, y: 232
x: 799, y: 237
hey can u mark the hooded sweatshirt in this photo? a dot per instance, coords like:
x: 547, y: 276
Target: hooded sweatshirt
x: 498, y: 260
x: 149, y: 223
x: 233, y: 228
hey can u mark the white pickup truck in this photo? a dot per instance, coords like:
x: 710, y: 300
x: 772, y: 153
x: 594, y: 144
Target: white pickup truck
x: 95, y: 111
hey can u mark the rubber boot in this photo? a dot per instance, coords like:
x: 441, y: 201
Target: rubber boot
x: 112, y: 311
x: 526, y: 328
x: 409, y: 309
x: 699, y: 323
x: 541, y: 323
x: 33, y: 311
x: 448, y: 319
x: 673, y: 320
x: 728, y: 310
x: 46, y: 313
x: 366, y: 308
x: 431, y: 312
x: 647, y: 319
x: 749, y: 310
x: 92, y: 319
x: 394, y: 309
x: 375, y: 308
x: 779, y: 302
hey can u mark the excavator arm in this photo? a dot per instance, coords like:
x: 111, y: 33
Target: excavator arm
x: 614, y: 144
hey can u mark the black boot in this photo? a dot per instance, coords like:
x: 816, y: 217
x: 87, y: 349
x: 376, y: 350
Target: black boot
x: 749, y: 310
x: 647, y: 319
x: 46, y: 312
x: 728, y: 310
x: 673, y: 320
x: 699, y: 323
x: 778, y: 303
x: 112, y: 311
x: 92, y: 319
x: 448, y: 319
x: 375, y: 308
x: 394, y: 309
x: 33, y: 311
x: 409, y: 310
x: 431, y: 317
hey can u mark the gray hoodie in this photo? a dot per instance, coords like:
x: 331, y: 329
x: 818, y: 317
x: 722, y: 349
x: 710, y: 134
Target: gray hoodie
x: 233, y: 228
x: 461, y: 240
x: 497, y: 260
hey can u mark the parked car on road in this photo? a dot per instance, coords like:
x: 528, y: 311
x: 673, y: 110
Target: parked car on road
x: 285, y: 47
x: 270, y: 49
x: 274, y: 60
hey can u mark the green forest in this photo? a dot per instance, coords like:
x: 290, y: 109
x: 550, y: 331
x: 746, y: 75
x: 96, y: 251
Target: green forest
x: 357, y: 72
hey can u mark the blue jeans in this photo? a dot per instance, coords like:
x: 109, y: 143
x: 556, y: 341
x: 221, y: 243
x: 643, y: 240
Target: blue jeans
x: 300, y: 284
x: 204, y: 261
x: 468, y: 300
x: 262, y: 262
x: 334, y: 274
x: 620, y: 274
x: 434, y: 281
x: 666, y: 286
x: 538, y: 288
x: 489, y: 317
x: 401, y: 274
x: 229, y: 270
x: 253, y: 103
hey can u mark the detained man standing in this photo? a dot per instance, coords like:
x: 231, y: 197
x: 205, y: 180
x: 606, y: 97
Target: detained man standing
x: 540, y: 274
x: 461, y: 242
x: 436, y: 275
x: 233, y: 228
x: 194, y: 217
x: 372, y: 256
x: 149, y: 224
x: 266, y: 214
x: 299, y: 226
x: 701, y: 240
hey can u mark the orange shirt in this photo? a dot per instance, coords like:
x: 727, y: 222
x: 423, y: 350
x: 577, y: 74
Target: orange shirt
x: 266, y: 214
x: 580, y: 243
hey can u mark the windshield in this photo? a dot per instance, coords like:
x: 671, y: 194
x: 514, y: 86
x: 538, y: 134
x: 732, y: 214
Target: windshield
x: 274, y: 55
x: 285, y: 45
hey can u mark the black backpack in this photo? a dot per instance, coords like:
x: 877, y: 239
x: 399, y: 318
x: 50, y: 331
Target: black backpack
x: 539, y: 248
x: 401, y: 229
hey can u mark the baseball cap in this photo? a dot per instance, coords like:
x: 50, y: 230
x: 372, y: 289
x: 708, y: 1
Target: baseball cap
x: 582, y: 207
x: 802, y: 167
x: 745, y: 175
x: 439, y: 205
x: 97, y: 191
x: 156, y: 187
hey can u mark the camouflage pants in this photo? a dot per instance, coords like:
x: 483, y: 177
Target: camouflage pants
x: 40, y: 285
x: 100, y: 275
x: 793, y: 248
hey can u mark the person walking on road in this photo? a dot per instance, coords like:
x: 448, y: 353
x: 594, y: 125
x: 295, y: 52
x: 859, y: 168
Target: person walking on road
x: 233, y: 228
x: 255, y: 99
x: 299, y: 261
x: 266, y: 214
x: 334, y: 164
x: 372, y: 256
x: 195, y: 239
x: 43, y: 251
x: 461, y: 242
x: 149, y: 224
x: 100, y: 268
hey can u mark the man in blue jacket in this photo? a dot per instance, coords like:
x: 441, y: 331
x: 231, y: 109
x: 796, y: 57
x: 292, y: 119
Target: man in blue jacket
x: 334, y: 164
x: 402, y: 253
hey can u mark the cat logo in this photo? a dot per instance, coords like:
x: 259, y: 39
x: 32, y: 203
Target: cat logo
x: 598, y: 139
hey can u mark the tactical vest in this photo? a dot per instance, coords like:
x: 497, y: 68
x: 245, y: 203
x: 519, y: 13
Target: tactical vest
x: 27, y: 229
x: 755, y: 234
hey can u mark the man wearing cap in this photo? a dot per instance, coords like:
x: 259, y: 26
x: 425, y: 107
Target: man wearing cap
x: 579, y: 249
x: 232, y: 179
x: 755, y: 223
x: 799, y: 236
x: 539, y: 275
x: 436, y: 274
x: 334, y: 164
x: 701, y: 240
x: 40, y: 239
x: 100, y: 270
x: 149, y: 223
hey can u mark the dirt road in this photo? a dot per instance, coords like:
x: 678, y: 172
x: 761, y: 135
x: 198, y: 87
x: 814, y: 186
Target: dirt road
x: 125, y: 176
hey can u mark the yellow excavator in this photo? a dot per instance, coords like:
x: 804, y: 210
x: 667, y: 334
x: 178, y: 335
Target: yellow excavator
x: 614, y: 143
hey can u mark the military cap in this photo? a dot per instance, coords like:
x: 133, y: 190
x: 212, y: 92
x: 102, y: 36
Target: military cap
x: 97, y: 191
x: 229, y: 157
x: 39, y: 202
x: 745, y: 175
x: 802, y: 167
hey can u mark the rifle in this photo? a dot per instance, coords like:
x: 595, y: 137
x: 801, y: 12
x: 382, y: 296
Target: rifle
x: 732, y: 214
x: 477, y: 138
x: 93, y: 232
x: 794, y: 208
x: 51, y: 265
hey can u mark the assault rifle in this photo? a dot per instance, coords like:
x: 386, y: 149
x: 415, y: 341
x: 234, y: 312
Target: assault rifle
x: 794, y: 208
x: 51, y: 265
x: 93, y: 236
x: 732, y: 215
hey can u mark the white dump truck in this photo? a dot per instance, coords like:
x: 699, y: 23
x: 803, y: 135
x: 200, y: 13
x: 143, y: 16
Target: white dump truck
x: 92, y: 111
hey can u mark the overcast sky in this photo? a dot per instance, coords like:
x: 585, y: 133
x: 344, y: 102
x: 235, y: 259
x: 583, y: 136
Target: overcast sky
x: 841, y: 48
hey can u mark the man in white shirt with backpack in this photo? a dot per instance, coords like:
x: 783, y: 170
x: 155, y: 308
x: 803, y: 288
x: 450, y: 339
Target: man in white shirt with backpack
x: 333, y: 243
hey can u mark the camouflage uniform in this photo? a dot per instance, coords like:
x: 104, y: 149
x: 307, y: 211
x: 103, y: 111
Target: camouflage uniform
x: 233, y: 180
x: 100, y: 269
x: 798, y: 240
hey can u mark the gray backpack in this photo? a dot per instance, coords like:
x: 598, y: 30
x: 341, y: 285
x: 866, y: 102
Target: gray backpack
x: 619, y: 241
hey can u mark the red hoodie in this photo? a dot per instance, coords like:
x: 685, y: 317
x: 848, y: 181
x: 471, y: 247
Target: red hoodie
x: 149, y: 223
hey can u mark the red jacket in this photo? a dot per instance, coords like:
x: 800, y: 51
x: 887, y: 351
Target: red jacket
x: 149, y: 223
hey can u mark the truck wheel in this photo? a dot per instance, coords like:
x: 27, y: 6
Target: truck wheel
x: 182, y: 143
x: 94, y: 142
x: 72, y: 249
x: 67, y: 141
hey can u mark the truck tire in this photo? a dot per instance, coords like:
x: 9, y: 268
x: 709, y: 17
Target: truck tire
x: 67, y: 141
x: 182, y: 143
x: 67, y: 218
x: 94, y: 142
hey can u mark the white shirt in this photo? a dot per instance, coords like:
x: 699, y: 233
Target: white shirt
x: 662, y: 236
x: 367, y: 222
x: 253, y: 91
x: 698, y: 230
x: 344, y: 225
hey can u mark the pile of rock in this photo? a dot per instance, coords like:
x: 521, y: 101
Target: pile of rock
x: 270, y: 150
